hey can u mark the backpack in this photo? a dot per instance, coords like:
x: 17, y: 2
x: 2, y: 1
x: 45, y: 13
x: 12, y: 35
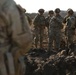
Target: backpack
x: 18, y: 30
x: 23, y: 38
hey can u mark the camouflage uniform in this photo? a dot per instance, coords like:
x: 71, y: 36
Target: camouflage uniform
x: 39, y: 25
x: 70, y: 28
x: 12, y: 38
x: 50, y: 14
x: 55, y: 31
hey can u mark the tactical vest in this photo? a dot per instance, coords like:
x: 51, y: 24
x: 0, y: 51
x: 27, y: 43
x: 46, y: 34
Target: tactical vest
x: 39, y: 20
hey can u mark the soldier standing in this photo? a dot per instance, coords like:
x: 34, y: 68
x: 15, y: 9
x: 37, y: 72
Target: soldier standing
x: 48, y: 18
x: 39, y: 24
x: 70, y: 26
x: 50, y: 15
x: 55, y: 27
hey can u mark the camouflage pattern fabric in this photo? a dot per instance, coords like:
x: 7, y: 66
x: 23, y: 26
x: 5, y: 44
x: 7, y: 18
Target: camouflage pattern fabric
x: 39, y: 25
x: 14, y: 29
x: 47, y: 22
x: 55, y: 31
x: 70, y: 28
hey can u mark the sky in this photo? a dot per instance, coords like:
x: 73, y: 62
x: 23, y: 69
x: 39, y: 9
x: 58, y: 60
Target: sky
x: 32, y: 6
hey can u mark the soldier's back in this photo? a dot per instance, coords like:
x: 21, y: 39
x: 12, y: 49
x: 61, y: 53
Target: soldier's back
x: 12, y: 36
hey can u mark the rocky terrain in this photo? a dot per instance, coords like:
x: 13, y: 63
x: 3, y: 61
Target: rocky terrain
x: 43, y: 62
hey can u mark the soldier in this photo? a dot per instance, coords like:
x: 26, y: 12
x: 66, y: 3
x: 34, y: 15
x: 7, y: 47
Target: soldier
x: 14, y: 41
x: 70, y: 26
x: 50, y: 14
x: 39, y: 24
x: 55, y: 27
x: 48, y: 18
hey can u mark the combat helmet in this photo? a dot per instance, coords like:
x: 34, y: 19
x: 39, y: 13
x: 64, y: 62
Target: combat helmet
x: 41, y: 10
x: 70, y: 11
x: 51, y: 12
x: 57, y: 10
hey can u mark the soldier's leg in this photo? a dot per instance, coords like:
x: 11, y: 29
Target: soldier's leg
x: 63, y: 41
x: 71, y: 40
x: 48, y: 30
x: 37, y: 37
x: 48, y: 35
x: 41, y: 37
x: 70, y: 37
x: 58, y: 38
x: 36, y: 40
x: 51, y: 38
